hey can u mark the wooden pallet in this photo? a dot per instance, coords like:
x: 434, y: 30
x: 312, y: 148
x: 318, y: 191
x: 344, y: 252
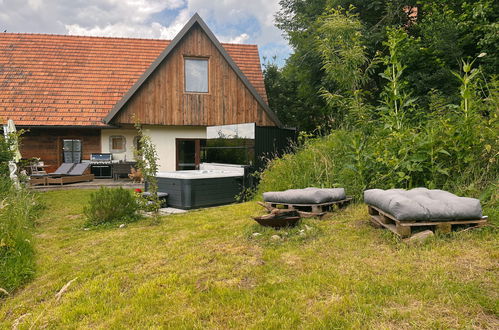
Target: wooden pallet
x: 314, y: 208
x: 403, y: 229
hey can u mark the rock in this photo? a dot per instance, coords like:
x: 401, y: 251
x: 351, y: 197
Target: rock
x: 275, y: 237
x: 308, y: 228
x: 256, y: 234
x: 122, y: 225
x: 419, y: 238
x: 86, y: 229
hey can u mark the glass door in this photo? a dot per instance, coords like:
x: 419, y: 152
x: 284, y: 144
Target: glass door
x: 186, y: 155
x: 71, y: 151
x: 189, y: 153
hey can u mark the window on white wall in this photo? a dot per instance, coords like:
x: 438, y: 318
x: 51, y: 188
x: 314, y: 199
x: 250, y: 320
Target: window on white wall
x: 117, y: 144
x: 196, y: 75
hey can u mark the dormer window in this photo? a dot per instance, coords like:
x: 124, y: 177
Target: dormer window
x: 196, y: 75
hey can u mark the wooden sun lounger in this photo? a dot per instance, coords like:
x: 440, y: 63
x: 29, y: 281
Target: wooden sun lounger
x: 75, y: 175
x: 381, y: 219
x: 70, y: 179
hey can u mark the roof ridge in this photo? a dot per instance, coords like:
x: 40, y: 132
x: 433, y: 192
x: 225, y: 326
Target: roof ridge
x: 107, y: 37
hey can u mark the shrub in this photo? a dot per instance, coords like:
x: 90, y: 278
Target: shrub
x: 109, y: 205
x: 18, y: 210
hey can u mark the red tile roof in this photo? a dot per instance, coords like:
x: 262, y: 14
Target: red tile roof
x: 73, y: 80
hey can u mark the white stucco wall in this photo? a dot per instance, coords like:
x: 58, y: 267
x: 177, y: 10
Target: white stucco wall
x: 129, y: 135
x: 163, y: 137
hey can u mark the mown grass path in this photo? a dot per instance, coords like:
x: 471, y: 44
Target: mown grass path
x: 206, y: 269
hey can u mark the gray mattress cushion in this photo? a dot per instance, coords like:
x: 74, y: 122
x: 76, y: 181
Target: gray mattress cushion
x: 423, y: 204
x: 305, y: 196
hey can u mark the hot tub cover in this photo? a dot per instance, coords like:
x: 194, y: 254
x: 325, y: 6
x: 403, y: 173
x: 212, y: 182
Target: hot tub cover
x: 421, y: 204
x: 305, y: 196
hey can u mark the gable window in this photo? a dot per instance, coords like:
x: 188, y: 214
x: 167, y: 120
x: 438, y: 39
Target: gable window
x: 196, y: 75
x: 117, y: 144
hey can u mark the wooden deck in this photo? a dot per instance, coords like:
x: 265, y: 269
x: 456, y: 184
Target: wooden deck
x: 95, y: 184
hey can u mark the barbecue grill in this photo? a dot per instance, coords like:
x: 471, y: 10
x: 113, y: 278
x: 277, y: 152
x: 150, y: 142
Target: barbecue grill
x: 101, y: 165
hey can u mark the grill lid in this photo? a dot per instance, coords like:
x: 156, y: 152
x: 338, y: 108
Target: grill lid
x: 101, y: 157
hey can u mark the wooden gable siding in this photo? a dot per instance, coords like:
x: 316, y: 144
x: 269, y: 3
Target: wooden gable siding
x: 161, y: 100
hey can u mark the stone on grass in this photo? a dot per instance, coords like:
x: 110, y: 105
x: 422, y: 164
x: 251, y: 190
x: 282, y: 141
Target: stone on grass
x: 308, y: 228
x: 122, y: 225
x: 275, y: 237
x: 420, y: 237
x: 256, y: 234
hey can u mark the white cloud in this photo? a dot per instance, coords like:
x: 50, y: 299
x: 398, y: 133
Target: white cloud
x: 240, y: 39
x: 141, y: 18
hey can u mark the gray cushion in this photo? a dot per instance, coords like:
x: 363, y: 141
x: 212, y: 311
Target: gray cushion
x: 79, y: 169
x: 305, y: 196
x: 423, y: 204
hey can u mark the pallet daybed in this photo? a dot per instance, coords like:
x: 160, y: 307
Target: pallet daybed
x: 309, y: 201
x: 402, y: 211
x: 314, y: 208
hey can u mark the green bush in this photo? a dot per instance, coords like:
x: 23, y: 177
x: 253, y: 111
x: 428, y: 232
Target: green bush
x: 110, y: 205
x: 18, y: 210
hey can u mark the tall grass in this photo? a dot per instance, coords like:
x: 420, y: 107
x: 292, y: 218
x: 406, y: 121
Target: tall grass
x: 18, y: 210
x: 452, y: 147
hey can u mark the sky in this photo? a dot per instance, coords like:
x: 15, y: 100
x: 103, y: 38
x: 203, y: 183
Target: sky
x: 234, y: 21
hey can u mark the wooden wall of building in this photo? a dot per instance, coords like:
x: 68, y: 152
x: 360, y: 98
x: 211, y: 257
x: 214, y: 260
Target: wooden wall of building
x: 46, y: 143
x: 161, y: 100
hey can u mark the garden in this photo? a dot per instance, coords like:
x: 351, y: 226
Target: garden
x: 384, y: 101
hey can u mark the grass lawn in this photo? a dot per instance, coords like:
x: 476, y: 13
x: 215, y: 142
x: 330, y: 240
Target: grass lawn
x: 206, y: 269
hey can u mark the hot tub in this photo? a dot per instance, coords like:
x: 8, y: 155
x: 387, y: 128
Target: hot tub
x: 213, y: 184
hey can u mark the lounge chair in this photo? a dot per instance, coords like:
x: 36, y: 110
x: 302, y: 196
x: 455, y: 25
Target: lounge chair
x: 75, y: 174
x: 41, y: 178
x: 400, y: 210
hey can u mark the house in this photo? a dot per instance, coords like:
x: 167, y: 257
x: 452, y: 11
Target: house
x: 79, y: 95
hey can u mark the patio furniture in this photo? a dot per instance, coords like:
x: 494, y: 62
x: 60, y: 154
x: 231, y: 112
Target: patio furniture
x: 75, y: 174
x: 40, y: 177
x: 122, y: 169
x: 403, y: 210
x: 316, y: 200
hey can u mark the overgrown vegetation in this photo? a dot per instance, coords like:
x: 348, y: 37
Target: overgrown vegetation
x: 18, y: 211
x: 350, y: 42
x: 111, y: 205
x: 394, y: 140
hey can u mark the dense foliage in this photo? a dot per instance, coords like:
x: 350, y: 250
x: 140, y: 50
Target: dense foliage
x: 111, y: 205
x: 395, y: 135
x: 439, y: 35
